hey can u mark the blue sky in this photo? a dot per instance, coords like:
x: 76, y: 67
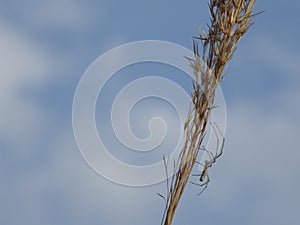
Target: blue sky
x: 45, y: 48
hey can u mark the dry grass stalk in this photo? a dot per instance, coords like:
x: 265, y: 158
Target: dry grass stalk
x: 230, y: 20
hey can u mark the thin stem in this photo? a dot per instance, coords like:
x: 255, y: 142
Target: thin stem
x: 230, y: 20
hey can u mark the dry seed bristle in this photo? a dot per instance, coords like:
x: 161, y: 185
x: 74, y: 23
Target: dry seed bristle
x: 230, y: 20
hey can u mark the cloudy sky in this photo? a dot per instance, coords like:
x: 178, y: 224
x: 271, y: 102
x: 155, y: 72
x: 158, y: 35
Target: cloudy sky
x: 45, y: 48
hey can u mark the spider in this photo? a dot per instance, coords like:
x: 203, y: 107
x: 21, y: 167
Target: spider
x: 208, y: 163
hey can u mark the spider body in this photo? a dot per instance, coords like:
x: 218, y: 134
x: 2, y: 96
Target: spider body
x: 208, y: 163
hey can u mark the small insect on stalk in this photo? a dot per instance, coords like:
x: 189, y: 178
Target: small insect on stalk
x: 208, y: 163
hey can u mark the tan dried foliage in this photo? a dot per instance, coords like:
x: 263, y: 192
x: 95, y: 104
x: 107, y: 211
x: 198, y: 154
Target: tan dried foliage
x: 230, y: 20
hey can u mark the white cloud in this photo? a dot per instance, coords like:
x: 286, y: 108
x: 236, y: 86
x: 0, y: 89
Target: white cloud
x: 255, y: 181
x: 278, y: 55
x: 260, y: 160
x: 66, y: 185
x: 23, y: 65
x: 260, y: 157
x: 65, y: 14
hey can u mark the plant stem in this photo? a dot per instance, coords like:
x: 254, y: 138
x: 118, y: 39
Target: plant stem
x: 230, y: 20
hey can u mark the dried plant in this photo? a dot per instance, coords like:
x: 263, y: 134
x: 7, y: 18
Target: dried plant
x: 230, y: 20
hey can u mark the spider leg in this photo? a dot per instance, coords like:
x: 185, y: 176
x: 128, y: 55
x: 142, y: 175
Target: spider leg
x: 217, y: 136
x: 199, y: 163
x: 195, y: 183
x: 211, y: 155
x: 216, y: 131
x: 205, y: 184
x: 196, y: 175
x: 221, y: 149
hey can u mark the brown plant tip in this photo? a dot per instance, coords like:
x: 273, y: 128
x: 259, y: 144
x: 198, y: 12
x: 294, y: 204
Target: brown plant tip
x: 230, y: 20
